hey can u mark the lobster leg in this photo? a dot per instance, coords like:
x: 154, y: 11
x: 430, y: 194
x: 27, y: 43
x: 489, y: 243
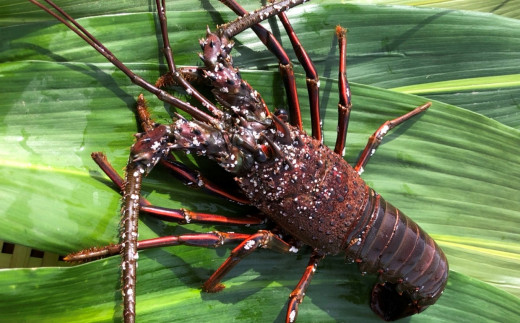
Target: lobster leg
x: 263, y: 239
x: 211, y: 240
x: 312, y: 79
x: 345, y: 104
x: 181, y: 216
x: 181, y: 171
x: 298, y: 293
x: 194, y: 178
x: 375, y: 139
x: 285, y: 65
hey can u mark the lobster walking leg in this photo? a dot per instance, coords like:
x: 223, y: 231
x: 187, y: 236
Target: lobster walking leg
x: 345, y: 104
x: 297, y: 295
x: 263, y: 239
x: 312, y: 79
x: 375, y: 139
x: 180, y: 216
x: 184, y: 173
x: 211, y: 240
x: 194, y: 178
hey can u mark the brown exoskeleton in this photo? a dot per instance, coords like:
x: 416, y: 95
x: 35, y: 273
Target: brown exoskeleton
x: 312, y: 194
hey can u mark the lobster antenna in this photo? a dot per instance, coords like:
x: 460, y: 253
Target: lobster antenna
x: 240, y: 24
x: 136, y: 79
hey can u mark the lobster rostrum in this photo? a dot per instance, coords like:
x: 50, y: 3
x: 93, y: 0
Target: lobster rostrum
x: 308, y: 190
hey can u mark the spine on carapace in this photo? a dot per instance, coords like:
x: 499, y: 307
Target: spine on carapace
x: 412, y: 269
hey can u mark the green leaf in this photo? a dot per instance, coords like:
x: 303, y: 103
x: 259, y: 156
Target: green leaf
x: 168, y: 289
x: 389, y: 46
x: 455, y: 172
x: 498, y: 7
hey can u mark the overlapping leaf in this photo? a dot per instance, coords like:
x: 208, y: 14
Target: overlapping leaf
x: 389, y: 46
x: 453, y: 171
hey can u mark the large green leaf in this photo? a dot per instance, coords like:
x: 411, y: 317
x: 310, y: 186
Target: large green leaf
x: 499, y: 7
x: 453, y: 171
x: 389, y: 46
x: 168, y: 290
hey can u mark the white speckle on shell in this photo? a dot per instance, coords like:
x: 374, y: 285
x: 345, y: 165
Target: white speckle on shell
x: 292, y: 316
x: 249, y: 244
x: 384, y: 130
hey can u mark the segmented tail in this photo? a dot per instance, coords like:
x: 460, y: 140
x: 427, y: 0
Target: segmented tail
x: 412, y: 269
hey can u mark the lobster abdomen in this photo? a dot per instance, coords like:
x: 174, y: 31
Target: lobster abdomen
x: 413, y: 270
x: 318, y: 198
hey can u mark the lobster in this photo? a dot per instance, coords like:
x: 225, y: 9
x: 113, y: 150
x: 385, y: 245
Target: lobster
x: 308, y: 190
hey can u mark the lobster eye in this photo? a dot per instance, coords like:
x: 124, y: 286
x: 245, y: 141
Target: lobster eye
x: 282, y: 114
x: 260, y: 156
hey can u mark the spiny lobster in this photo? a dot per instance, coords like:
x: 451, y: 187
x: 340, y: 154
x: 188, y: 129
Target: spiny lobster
x: 312, y: 194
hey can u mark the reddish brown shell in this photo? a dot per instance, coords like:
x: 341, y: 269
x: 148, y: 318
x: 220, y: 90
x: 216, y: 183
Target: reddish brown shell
x: 306, y: 193
x: 318, y: 198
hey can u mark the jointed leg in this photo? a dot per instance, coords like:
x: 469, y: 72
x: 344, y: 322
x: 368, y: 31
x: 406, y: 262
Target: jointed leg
x: 144, y: 153
x: 149, y: 148
x: 263, y: 239
x: 298, y: 293
x: 194, y: 178
x: 375, y: 140
x: 210, y: 240
x: 345, y: 104
x: 186, y: 174
x: 312, y: 78
x: 180, y: 216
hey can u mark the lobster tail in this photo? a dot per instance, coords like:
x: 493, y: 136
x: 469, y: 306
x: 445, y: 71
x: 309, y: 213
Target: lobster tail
x: 390, y: 305
x: 412, y: 269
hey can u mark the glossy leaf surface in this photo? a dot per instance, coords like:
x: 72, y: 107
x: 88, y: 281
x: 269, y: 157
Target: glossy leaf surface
x: 453, y: 171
